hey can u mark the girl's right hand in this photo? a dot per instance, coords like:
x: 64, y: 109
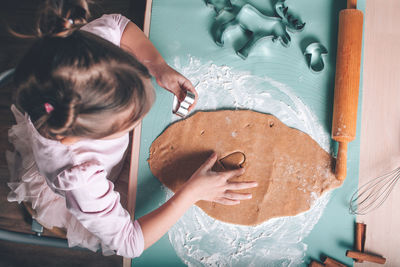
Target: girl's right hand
x: 208, y: 185
x: 203, y: 185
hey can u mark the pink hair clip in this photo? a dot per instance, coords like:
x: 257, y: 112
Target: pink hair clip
x: 48, y: 107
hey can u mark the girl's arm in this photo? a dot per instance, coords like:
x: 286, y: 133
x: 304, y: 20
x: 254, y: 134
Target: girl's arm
x: 203, y: 185
x: 134, y: 41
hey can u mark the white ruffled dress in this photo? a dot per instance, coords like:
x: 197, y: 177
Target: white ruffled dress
x: 70, y: 186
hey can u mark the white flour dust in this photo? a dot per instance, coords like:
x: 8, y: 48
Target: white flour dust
x: 200, y: 240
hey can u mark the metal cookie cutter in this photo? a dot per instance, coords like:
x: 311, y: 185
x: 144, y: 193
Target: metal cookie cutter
x: 182, y: 109
x: 314, y: 53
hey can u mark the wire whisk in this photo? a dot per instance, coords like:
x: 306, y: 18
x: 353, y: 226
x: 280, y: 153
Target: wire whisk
x: 373, y: 194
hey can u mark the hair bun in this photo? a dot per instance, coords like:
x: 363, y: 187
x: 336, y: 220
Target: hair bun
x: 61, y: 17
x: 64, y: 112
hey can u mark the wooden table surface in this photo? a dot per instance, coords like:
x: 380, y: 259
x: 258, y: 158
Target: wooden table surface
x: 380, y: 127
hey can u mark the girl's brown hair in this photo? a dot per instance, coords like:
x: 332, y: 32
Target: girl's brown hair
x: 95, y: 88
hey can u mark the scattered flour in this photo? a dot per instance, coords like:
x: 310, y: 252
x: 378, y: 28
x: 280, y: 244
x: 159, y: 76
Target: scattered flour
x: 200, y: 240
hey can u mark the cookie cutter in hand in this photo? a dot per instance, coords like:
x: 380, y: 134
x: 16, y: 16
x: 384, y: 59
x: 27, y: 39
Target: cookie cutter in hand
x: 182, y: 109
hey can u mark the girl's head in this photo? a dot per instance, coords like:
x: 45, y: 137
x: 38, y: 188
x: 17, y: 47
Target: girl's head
x: 95, y: 88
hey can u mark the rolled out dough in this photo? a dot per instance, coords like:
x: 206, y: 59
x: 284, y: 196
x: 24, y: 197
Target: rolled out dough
x: 292, y: 170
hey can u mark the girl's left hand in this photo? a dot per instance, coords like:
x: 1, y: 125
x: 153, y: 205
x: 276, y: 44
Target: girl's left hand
x: 175, y: 82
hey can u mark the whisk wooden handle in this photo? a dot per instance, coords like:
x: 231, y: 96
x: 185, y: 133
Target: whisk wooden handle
x: 347, y: 82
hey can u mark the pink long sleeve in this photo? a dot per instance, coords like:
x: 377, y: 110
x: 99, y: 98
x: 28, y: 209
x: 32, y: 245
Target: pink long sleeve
x: 91, y: 198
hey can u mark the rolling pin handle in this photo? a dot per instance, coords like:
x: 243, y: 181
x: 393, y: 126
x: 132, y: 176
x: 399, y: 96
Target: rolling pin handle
x: 351, y: 4
x: 341, y: 161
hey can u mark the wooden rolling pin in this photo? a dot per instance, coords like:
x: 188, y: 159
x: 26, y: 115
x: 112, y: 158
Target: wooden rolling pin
x: 347, y: 80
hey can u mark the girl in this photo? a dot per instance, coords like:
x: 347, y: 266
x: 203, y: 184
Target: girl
x: 78, y: 96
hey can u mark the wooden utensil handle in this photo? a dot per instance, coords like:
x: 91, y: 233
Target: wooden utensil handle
x: 347, y: 79
x: 351, y: 4
x: 341, y: 161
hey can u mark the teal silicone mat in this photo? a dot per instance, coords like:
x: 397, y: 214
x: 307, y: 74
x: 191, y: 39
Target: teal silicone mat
x: 184, y: 29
